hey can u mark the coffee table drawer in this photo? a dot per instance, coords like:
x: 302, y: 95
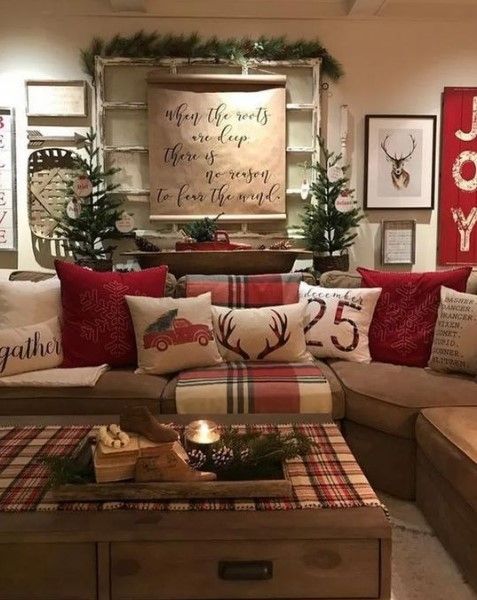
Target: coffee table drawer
x: 245, y: 569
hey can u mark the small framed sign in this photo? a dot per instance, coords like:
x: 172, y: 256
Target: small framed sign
x: 8, y: 192
x: 57, y: 98
x: 398, y: 242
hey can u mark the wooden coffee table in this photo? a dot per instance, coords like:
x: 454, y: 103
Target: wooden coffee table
x: 326, y: 553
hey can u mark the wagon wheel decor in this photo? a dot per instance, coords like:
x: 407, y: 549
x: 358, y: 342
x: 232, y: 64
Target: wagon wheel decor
x: 49, y: 171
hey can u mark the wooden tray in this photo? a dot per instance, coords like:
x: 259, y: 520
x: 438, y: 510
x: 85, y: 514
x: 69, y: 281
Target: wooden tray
x: 130, y: 491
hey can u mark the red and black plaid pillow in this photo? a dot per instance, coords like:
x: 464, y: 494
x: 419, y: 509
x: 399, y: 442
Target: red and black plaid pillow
x: 246, y: 291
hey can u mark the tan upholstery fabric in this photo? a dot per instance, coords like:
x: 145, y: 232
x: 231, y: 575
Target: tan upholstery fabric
x: 41, y: 276
x: 340, y: 279
x: 115, y: 390
x: 448, y: 437
x: 389, y: 397
x: 387, y: 461
x: 451, y: 517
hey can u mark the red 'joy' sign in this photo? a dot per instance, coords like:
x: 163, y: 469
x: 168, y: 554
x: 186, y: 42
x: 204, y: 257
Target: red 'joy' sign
x: 458, y: 179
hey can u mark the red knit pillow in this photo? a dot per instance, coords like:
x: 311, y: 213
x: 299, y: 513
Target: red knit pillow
x: 403, y: 324
x: 96, y: 324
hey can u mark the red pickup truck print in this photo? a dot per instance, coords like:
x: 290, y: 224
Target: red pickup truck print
x: 181, y: 331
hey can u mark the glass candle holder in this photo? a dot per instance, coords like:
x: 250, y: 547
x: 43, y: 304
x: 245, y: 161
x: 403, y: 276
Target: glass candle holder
x: 201, y: 434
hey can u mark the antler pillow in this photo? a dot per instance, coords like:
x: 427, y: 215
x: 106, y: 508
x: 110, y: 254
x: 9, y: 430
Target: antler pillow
x: 272, y: 333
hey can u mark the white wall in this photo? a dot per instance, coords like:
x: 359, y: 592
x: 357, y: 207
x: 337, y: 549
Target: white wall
x: 395, y: 67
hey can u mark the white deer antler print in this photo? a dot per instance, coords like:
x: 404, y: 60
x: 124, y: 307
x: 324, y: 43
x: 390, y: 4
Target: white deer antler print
x: 400, y: 177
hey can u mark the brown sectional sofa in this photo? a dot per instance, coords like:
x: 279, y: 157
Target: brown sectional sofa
x: 413, y: 431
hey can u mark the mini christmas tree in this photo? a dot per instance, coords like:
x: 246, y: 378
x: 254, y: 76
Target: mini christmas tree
x: 88, y: 222
x: 202, y: 230
x: 327, y: 230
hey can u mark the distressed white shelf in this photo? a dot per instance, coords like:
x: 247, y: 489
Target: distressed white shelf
x: 125, y: 149
x: 300, y: 149
x: 125, y: 105
x: 300, y: 106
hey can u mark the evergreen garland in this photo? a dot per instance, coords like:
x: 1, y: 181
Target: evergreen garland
x: 325, y: 228
x: 157, y: 45
x: 202, y: 230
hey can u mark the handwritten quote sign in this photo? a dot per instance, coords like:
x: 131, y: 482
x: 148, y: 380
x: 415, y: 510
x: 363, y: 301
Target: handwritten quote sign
x: 213, y: 152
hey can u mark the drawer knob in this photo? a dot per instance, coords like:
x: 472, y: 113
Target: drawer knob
x: 240, y: 570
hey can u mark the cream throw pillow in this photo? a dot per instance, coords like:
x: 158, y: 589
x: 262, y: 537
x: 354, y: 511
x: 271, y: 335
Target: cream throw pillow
x: 173, y: 333
x: 338, y: 321
x: 26, y: 302
x: 455, y: 337
x: 272, y: 333
x: 30, y: 348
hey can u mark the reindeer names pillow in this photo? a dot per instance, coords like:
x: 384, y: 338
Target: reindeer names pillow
x: 339, y: 321
x: 272, y: 333
x: 173, y: 333
x: 30, y: 348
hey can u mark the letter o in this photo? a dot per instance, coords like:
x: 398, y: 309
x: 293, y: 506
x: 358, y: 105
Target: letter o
x: 467, y: 185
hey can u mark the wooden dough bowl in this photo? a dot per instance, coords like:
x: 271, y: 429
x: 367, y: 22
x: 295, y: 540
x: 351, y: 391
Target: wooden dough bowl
x: 228, y: 262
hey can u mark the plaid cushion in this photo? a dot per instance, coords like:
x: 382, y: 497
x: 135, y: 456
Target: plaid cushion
x: 328, y: 477
x: 246, y: 291
x: 254, y: 387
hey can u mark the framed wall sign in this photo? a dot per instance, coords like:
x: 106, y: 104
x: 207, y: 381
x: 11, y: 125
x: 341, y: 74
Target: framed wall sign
x: 399, y: 161
x: 398, y: 242
x: 8, y: 220
x: 457, y: 232
x: 57, y: 98
x: 217, y: 144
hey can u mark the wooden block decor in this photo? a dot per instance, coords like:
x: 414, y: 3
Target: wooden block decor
x: 48, y: 173
x: 8, y: 221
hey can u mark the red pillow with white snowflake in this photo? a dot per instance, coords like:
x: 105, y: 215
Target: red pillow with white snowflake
x: 96, y: 324
x: 403, y: 324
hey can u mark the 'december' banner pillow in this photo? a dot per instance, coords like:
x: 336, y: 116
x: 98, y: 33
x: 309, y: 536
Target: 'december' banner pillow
x: 30, y: 348
x: 339, y: 321
x: 454, y: 348
x: 274, y: 333
x: 173, y: 333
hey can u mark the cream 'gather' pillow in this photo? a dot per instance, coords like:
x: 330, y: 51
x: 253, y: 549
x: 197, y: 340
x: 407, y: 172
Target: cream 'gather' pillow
x: 272, y: 333
x: 173, y: 333
x: 30, y: 348
x: 455, y: 337
x: 339, y: 320
x: 27, y: 302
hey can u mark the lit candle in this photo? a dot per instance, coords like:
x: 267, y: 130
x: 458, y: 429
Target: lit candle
x: 202, y: 432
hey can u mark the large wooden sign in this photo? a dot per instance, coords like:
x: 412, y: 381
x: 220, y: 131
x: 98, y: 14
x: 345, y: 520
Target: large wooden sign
x: 8, y: 235
x: 458, y: 184
x: 217, y: 145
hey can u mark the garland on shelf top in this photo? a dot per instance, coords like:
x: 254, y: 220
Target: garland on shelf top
x: 157, y: 45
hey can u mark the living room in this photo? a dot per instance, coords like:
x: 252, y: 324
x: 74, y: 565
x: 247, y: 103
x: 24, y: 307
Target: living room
x: 238, y: 299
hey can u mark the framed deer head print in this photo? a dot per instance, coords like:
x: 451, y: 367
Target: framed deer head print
x: 399, y: 161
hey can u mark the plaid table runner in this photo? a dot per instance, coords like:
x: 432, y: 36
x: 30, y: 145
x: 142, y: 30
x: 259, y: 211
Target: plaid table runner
x: 254, y: 387
x: 246, y: 291
x: 329, y: 477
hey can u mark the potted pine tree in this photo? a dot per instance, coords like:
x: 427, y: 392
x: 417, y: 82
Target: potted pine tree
x: 328, y: 230
x: 88, y: 221
x: 204, y: 234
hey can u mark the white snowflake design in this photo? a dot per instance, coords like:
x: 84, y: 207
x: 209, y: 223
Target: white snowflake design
x: 406, y: 320
x: 111, y: 321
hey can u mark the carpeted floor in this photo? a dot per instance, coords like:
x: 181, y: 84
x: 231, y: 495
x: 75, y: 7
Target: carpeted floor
x: 422, y: 569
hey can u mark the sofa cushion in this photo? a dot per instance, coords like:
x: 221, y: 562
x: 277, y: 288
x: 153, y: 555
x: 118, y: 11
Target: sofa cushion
x: 42, y: 275
x: 448, y: 437
x: 115, y: 390
x: 389, y: 397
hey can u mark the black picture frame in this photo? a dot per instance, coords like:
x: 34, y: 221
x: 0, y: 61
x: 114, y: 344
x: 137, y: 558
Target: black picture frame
x: 378, y: 190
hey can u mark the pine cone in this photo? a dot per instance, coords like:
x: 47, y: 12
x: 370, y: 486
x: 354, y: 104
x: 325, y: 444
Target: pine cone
x: 222, y: 457
x: 196, y: 458
x: 244, y: 455
x: 145, y: 245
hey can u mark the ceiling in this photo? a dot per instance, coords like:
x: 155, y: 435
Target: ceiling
x: 302, y: 9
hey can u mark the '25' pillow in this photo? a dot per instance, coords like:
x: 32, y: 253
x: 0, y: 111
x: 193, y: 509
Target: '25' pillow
x: 338, y: 321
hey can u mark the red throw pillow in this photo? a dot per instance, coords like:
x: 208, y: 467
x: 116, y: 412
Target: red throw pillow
x: 96, y: 323
x: 403, y: 324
